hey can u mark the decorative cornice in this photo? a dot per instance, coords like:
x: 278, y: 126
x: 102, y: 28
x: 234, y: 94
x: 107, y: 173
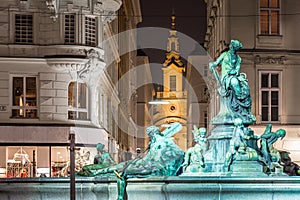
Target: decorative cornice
x: 106, y: 8
x: 83, y: 67
x: 62, y: 64
x: 270, y: 60
x: 173, y: 57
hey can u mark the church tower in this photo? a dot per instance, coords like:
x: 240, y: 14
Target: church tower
x: 173, y: 67
x: 173, y: 97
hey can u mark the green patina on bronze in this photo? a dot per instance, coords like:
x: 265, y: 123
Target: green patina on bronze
x: 194, y: 159
x: 233, y: 147
x: 235, y: 101
x: 162, y: 158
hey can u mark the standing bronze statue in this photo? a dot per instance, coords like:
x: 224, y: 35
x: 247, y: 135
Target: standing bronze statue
x: 234, y: 90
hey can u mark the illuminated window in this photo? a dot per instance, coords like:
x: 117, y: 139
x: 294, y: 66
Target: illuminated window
x: 70, y: 29
x: 172, y: 83
x: 24, y: 29
x: 90, y: 31
x: 77, y: 101
x: 269, y: 17
x: 269, y: 96
x: 49, y: 161
x: 24, y: 97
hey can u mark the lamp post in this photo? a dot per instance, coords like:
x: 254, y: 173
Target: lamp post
x: 72, y: 166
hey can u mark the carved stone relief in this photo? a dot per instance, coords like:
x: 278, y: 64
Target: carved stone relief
x: 52, y: 6
x: 24, y: 5
x: 106, y: 8
x: 270, y: 60
x: 82, y: 68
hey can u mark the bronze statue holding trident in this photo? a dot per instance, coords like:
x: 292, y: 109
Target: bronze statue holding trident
x: 234, y: 89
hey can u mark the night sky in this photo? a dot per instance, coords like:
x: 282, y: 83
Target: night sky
x: 190, y: 16
x: 190, y: 20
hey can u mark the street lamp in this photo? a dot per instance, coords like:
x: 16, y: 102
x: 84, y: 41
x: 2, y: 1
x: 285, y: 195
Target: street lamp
x: 72, y: 166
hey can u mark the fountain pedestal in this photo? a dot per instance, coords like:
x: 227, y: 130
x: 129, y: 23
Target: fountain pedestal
x: 219, y: 144
x: 247, y: 168
x: 245, y: 163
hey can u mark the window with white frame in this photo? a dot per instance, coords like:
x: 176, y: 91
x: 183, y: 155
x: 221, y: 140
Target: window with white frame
x: 269, y: 17
x: 24, y: 96
x: 270, y: 96
x: 69, y: 29
x: 172, y: 83
x: 90, y: 31
x: 24, y: 29
x: 77, y: 101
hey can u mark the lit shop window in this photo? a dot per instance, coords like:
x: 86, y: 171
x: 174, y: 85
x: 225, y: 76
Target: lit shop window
x: 33, y: 161
x: 269, y: 17
x: 24, y: 29
x: 19, y: 165
x: 269, y: 96
x: 77, y: 101
x: 60, y: 160
x: 24, y: 97
x: 60, y: 157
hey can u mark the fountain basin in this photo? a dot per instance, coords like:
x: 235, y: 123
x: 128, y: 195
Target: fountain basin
x: 154, y: 188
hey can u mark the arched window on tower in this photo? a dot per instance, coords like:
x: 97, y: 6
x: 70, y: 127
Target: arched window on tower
x: 173, y: 83
x: 78, y: 101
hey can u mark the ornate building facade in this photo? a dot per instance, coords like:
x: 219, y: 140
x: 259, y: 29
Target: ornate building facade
x: 59, y: 68
x: 270, y: 58
x: 131, y: 114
